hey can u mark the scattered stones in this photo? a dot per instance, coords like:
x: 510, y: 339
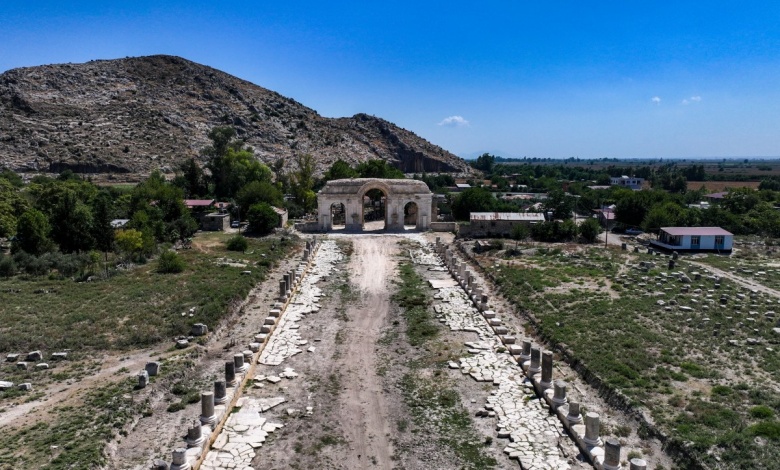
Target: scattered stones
x: 199, y: 329
x: 33, y: 356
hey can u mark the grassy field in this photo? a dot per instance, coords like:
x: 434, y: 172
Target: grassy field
x: 707, y: 370
x: 136, y: 308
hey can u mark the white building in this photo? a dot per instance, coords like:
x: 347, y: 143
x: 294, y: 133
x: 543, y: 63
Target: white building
x: 694, y: 239
x: 627, y: 182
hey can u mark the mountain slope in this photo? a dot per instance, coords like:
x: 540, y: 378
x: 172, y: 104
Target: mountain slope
x: 136, y: 115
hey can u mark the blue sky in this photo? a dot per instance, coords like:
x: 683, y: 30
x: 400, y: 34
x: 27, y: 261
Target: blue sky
x: 572, y: 79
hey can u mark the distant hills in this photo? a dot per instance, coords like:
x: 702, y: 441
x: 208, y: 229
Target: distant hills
x: 135, y: 115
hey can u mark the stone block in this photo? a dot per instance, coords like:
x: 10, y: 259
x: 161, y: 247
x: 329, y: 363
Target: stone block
x: 33, y: 356
x: 182, y: 343
x: 152, y: 368
x: 266, y: 328
x: 11, y: 358
x: 26, y: 387
x: 21, y: 365
x: 500, y: 330
x: 260, y: 338
x: 507, y: 339
x: 269, y: 321
x: 199, y: 329
x: 143, y: 379
x: 59, y: 356
x: 42, y: 366
x: 6, y: 385
x: 254, y: 347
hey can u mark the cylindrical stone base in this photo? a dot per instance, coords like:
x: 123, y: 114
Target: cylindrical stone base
x: 220, y: 392
x: 638, y: 464
x: 592, y: 425
x: 612, y: 454
x: 241, y: 366
x: 574, y: 415
x: 180, y: 460
x: 547, y: 369
x: 195, y: 437
x: 559, y: 397
x: 536, y: 356
x: 207, y: 415
x: 230, y: 374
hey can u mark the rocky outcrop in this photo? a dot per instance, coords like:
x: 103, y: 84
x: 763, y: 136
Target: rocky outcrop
x: 135, y: 115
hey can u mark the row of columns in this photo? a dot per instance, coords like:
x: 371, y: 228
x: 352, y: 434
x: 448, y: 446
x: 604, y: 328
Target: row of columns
x: 209, y: 416
x: 538, y: 366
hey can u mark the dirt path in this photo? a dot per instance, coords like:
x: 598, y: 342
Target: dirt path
x: 738, y: 279
x: 365, y: 416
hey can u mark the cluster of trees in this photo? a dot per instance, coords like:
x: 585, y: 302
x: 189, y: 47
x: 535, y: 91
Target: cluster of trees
x: 743, y: 211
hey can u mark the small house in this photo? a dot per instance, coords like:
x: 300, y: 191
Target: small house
x: 693, y: 239
x: 216, y: 222
x: 498, y: 224
x: 627, y: 182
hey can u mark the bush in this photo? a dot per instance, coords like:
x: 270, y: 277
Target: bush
x: 7, y: 266
x: 170, y: 262
x: 237, y: 243
x: 767, y: 429
x: 262, y: 218
x: 761, y: 412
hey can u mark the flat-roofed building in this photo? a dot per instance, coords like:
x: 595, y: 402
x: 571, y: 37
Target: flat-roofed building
x: 498, y: 224
x: 693, y: 239
x: 627, y: 182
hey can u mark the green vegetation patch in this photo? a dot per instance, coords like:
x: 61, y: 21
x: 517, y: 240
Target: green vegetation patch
x: 414, y: 300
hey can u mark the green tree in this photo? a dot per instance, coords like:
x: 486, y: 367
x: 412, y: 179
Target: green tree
x: 485, y: 163
x: 130, y: 242
x: 102, y: 215
x: 72, y: 224
x: 559, y: 203
x: 262, y: 218
x: 378, y: 169
x: 259, y: 191
x: 472, y: 200
x: 303, y: 182
x: 194, y: 181
x: 590, y: 230
x: 340, y: 170
x: 519, y: 233
x: 32, y: 233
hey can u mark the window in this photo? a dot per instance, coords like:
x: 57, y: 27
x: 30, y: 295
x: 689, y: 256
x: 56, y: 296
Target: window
x: 719, y: 239
x: 695, y: 240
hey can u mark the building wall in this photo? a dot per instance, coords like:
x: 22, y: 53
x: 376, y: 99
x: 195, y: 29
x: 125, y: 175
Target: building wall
x: 490, y: 228
x: 216, y: 222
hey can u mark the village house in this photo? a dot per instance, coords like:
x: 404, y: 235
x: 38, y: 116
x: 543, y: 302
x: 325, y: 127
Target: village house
x: 694, y: 239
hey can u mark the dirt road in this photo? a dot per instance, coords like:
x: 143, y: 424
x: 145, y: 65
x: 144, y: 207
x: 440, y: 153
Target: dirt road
x: 365, y: 416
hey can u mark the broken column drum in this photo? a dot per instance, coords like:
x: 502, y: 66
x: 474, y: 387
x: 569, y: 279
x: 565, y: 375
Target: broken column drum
x: 207, y: 415
x: 282, y: 290
x: 195, y: 437
x: 535, y: 366
x: 220, y: 392
x: 180, y: 460
x: 559, y: 395
x: 525, y: 355
x: 637, y: 464
x: 612, y: 454
x: 241, y: 366
x: 592, y: 425
x: 574, y: 415
x: 230, y: 374
x: 143, y: 379
x: 547, y: 369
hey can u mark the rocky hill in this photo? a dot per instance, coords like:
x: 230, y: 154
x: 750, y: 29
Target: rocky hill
x: 131, y: 116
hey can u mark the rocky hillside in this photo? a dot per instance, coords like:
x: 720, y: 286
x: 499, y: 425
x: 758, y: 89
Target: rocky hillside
x: 131, y: 116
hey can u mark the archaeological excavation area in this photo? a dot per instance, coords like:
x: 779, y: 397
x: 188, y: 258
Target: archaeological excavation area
x: 411, y: 351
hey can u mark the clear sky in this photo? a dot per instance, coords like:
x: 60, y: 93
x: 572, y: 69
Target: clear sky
x: 517, y: 78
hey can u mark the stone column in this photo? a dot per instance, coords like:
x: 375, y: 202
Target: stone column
x: 525, y: 355
x: 152, y: 368
x: 180, y: 460
x: 282, y: 291
x: 592, y: 425
x: 547, y: 370
x: 287, y: 285
x: 612, y: 454
x: 536, y: 355
x: 671, y: 264
x: 483, y: 302
x: 207, y: 415
x: 559, y: 397
x: 623, y: 246
x: 220, y: 392
x: 574, y: 415
x: 230, y: 374
x: 238, y: 360
x: 675, y: 255
x: 638, y: 464
x: 195, y: 437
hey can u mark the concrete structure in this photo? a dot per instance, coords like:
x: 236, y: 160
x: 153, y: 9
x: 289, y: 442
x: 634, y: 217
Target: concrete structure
x: 497, y: 224
x: 216, y: 222
x: 627, y: 182
x: 694, y: 239
x: 398, y: 194
x: 282, y: 213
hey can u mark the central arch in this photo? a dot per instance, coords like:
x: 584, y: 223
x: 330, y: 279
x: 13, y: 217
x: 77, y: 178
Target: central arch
x: 363, y: 204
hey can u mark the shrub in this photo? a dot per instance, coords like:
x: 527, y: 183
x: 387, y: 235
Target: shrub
x: 761, y: 412
x: 170, y: 262
x: 767, y: 429
x: 7, y: 266
x: 237, y: 243
x: 262, y: 218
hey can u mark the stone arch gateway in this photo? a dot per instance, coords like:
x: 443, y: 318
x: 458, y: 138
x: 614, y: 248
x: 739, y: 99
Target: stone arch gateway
x: 398, y: 193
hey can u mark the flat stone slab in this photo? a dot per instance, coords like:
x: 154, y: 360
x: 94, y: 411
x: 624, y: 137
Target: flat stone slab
x: 442, y: 283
